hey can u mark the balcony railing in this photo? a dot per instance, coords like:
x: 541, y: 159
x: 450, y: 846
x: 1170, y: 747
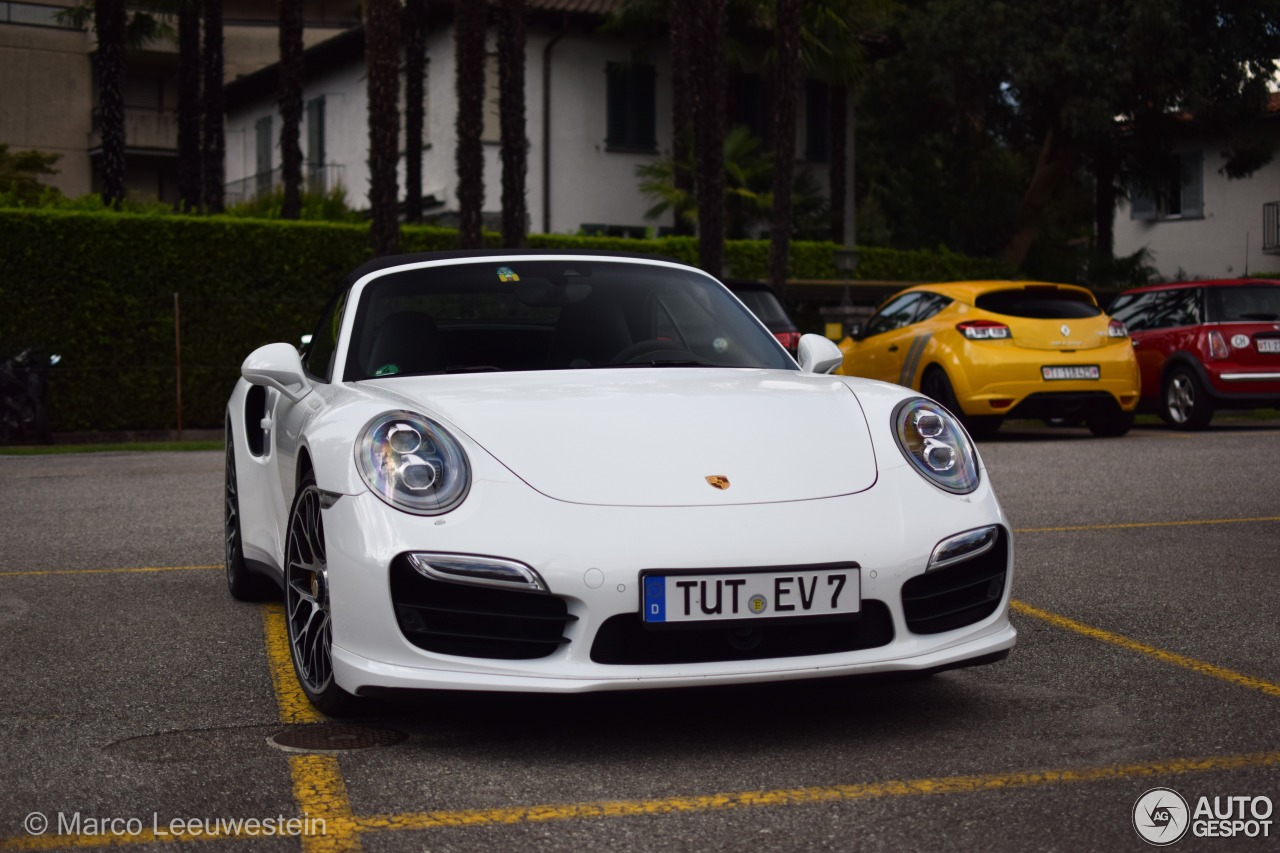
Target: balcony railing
x: 1271, y: 228
x: 315, y: 179
x: 153, y: 130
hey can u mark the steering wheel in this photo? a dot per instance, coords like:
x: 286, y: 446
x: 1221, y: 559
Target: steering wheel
x: 648, y: 350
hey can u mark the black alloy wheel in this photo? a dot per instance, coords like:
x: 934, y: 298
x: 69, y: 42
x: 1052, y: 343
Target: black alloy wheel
x: 308, y: 613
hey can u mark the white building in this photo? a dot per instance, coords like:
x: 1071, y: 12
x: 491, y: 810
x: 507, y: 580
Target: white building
x: 1206, y: 225
x: 596, y: 105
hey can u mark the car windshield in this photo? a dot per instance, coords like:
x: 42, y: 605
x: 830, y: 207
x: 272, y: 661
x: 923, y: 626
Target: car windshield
x: 1041, y: 303
x: 551, y: 315
x: 1258, y: 302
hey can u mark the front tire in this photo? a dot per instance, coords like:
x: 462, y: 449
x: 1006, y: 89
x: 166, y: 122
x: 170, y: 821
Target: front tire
x: 1184, y: 402
x: 243, y: 583
x: 308, y: 613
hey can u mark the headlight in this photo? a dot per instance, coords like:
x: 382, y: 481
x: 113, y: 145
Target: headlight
x: 934, y: 442
x: 412, y: 463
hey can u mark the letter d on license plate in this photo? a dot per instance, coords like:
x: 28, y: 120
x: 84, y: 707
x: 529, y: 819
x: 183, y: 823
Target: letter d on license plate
x: 687, y: 597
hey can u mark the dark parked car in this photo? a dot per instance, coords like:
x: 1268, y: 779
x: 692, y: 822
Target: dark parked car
x: 1204, y: 346
x: 764, y: 303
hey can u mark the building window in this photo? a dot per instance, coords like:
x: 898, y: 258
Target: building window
x: 631, y: 107
x: 262, y: 136
x: 36, y: 15
x: 1179, y: 194
x: 816, y: 120
x: 315, y: 145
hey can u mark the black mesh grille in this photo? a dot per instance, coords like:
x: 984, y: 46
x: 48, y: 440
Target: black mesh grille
x: 958, y: 595
x: 475, y: 621
x: 624, y: 639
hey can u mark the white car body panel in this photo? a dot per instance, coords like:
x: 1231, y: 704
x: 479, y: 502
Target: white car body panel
x: 603, y: 471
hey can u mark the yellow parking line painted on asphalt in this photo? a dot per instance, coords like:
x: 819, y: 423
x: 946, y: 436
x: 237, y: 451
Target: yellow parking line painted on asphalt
x: 804, y: 796
x: 342, y: 830
x: 294, y: 706
x: 1138, y: 524
x: 318, y: 788
x: 4, y: 574
x: 1202, y: 667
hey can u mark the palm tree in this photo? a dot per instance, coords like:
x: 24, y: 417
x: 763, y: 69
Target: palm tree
x: 109, y: 21
x: 382, y: 58
x: 786, y: 88
x: 415, y: 73
x: 469, y: 36
x: 709, y: 24
x: 189, y: 106
x: 214, y: 146
x: 515, y: 145
x: 290, y: 100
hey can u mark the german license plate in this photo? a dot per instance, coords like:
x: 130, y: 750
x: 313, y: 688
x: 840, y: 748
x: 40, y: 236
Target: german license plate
x: 668, y: 598
x: 1268, y: 344
x: 1073, y: 371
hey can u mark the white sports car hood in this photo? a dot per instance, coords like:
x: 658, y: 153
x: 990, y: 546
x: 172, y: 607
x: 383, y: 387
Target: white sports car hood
x: 658, y: 437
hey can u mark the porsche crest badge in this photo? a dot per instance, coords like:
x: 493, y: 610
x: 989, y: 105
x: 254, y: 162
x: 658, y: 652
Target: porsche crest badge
x: 718, y: 481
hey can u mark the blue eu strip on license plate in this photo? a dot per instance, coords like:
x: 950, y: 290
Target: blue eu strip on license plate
x: 751, y: 595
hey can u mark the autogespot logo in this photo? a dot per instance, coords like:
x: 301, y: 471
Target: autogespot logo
x: 1161, y: 817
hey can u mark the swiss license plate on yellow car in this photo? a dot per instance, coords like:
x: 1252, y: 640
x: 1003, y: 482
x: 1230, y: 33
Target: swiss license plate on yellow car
x: 691, y: 597
x: 1070, y: 371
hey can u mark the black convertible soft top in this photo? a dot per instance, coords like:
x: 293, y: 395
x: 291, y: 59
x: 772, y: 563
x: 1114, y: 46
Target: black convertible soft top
x: 418, y: 257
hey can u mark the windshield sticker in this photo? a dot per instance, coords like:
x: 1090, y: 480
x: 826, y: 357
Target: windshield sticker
x: 507, y: 274
x: 387, y: 370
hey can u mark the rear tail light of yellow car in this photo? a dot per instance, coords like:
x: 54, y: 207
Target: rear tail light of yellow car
x: 984, y: 330
x: 1116, y: 329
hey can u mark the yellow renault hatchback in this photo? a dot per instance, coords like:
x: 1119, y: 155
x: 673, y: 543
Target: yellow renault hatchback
x: 990, y: 350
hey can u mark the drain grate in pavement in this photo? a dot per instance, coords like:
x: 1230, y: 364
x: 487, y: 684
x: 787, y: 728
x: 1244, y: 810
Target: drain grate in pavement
x: 335, y: 737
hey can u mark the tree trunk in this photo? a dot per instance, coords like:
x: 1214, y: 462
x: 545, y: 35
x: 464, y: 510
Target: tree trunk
x: 109, y: 19
x: 710, y: 26
x: 838, y: 156
x: 290, y: 100
x: 469, y: 36
x: 515, y: 145
x: 189, y: 107
x: 415, y: 76
x: 678, y: 19
x: 786, y: 76
x: 213, y: 161
x: 1051, y: 167
x: 382, y: 60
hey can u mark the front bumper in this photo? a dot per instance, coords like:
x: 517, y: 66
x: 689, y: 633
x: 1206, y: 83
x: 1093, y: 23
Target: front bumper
x: 591, y: 558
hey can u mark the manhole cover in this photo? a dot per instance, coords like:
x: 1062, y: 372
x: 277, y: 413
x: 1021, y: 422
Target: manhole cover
x: 335, y: 737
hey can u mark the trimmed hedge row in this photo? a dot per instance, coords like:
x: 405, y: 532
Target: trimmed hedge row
x: 98, y: 288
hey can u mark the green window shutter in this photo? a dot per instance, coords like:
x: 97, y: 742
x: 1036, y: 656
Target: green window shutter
x: 1192, y: 163
x: 815, y: 122
x: 616, y: 104
x: 646, y: 109
x: 1143, y: 207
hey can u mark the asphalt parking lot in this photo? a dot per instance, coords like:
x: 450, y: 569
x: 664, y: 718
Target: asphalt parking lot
x: 139, y: 698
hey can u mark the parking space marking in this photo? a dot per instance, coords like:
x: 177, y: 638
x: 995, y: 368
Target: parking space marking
x: 318, y: 786
x: 1194, y: 664
x: 805, y: 796
x: 1138, y: 524
x: 142, y: 569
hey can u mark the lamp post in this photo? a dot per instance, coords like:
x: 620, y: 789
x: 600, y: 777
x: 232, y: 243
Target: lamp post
x: 837, y: 318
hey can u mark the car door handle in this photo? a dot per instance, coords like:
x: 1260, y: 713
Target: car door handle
x: 893, y: 347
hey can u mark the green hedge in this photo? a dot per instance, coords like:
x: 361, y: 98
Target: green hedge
x: 98, y: 288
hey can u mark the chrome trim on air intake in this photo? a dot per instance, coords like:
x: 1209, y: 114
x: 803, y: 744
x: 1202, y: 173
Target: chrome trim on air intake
x: 477, y: 570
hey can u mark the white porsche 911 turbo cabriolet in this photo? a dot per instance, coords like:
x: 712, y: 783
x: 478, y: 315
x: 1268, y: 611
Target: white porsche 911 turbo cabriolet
x: 569, y: 471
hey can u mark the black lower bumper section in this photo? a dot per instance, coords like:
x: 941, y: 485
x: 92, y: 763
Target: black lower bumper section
x: 625, y: 640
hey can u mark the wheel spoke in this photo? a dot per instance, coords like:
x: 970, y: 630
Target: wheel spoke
x: 310, y: 631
